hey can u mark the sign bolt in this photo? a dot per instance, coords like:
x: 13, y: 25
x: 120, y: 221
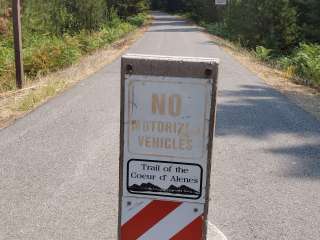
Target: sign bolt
x: 129, y: 69
x: 196, y: 210
x: 208, y: 72
x: 129, y: 203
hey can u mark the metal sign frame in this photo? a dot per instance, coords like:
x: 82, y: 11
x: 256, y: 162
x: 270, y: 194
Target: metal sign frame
x: 185, y: 67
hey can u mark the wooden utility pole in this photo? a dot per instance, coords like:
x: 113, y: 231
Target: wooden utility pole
x: 16, y: 14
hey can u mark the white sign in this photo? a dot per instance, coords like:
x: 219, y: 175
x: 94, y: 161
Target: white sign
x: 164, y: 179
x: 221, y: 2
x: 167, y: 120
x: 168, y: 109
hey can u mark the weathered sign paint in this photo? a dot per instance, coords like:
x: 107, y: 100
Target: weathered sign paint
x: 167, y: 121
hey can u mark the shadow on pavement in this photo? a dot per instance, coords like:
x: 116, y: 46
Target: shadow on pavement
x: 171, y: 23
x: 189, y: 29
x: 166, y: 23
x: 259, y: 112
x: 307, y: 160
x: 161, y: 17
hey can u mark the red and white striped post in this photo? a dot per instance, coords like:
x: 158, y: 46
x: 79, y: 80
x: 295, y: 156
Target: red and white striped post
x: 168, y: 107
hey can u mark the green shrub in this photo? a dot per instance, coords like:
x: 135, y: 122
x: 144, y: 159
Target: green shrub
x: 137, y: 20
x: 89, y: 41
x: 284, y: 62
x: 72, y: 16
x: 45, y: 52
x: 6, y: 57
x: 307, y: 61
x: 6, y: 66
x: 217, y: 28
x: 262, y: 53
x: 50, y: 54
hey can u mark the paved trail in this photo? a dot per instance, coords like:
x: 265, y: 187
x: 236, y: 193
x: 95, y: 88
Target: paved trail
x: 59, y: 164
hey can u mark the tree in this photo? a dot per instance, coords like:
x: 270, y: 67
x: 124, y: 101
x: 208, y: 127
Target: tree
x: 128, y: 8
x: 270, y: 23
x: 308, y: 19
x: 5, y: 15
x: 70, y: 16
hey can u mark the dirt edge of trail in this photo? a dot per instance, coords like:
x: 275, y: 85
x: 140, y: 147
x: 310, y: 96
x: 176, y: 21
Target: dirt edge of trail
x: 306, y: 97
x: 47, y: 87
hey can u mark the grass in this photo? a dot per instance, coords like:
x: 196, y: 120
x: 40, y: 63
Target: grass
x: 45, y: 53
x: 302, y: 64
x: 111, y: 41
x: 37, y: 96
x: 15, y: 103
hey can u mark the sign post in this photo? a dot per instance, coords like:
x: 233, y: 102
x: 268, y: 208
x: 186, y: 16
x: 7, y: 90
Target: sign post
x: 16, y: 15
x: 168, y: 109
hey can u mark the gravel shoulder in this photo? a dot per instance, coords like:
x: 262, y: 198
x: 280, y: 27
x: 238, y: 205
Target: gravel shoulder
x: 15, y: 104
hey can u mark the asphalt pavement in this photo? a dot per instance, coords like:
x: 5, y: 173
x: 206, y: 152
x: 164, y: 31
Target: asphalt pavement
x: 59, y: 164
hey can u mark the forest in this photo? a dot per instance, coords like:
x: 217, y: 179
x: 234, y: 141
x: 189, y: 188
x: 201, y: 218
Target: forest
x: 56, y: 33
x: 284, y: 33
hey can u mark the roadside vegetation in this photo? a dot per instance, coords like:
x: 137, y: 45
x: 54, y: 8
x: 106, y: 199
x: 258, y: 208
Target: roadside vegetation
x: 57, y: 33
x: 282, y: 33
